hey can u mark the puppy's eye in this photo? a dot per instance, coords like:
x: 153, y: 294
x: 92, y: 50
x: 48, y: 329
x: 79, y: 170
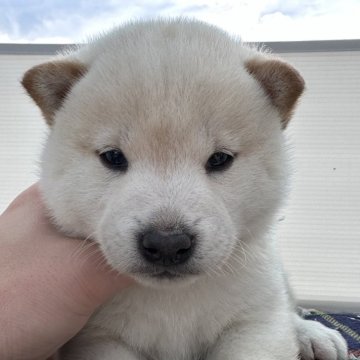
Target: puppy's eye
x: 219, y: 161
x: 114, y: 160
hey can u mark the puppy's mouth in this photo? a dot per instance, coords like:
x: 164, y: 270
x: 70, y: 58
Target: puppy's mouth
x: 167, y: 275
x: 162, y: 274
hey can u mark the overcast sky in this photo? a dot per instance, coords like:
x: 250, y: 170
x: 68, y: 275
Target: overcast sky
x: 69, y: 21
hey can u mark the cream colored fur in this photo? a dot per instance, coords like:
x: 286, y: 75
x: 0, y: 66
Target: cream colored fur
x: 169, y: 94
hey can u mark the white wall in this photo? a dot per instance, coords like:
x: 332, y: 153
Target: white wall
x: 320, y: 235
x: 22, y: 130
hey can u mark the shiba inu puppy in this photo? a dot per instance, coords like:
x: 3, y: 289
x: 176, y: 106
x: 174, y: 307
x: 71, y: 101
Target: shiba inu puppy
x: 167, y: 149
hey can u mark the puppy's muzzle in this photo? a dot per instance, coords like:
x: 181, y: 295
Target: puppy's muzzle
x: 166, y: 248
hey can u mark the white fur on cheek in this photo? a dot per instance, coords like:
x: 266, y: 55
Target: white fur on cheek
x: 73, y: 184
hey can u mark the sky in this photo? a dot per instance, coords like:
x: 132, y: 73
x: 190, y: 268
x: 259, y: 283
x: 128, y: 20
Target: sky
x: 72, y: 21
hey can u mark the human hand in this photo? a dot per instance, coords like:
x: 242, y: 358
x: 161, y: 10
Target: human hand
x: 48, y: 288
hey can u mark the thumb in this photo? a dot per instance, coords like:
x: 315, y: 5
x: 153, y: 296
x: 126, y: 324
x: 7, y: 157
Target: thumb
x: 95, y: 281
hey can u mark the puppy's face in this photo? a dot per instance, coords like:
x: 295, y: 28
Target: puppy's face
x: 169, y: 165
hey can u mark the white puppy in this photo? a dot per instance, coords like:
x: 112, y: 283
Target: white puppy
x: 166, y: 148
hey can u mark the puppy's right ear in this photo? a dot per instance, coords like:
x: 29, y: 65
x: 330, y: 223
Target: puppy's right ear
x: 48, y: 84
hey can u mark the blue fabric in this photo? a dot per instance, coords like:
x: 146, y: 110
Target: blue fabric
x: 347, y: 324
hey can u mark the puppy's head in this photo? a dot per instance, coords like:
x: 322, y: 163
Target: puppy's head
x: 166, y: 145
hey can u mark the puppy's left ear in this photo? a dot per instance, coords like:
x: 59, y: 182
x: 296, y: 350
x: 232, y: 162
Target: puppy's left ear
x: 48, y: 84
x: 281, y: 82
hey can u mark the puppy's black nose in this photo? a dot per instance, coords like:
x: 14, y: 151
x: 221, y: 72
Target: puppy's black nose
x: 166, y: 247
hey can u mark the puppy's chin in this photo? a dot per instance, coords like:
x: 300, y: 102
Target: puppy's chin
x: 165, y: 279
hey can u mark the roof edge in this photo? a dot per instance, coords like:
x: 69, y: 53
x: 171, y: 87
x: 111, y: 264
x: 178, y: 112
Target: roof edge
x: 313, y: 46
x: 277, y: 47
x: 31, y: 49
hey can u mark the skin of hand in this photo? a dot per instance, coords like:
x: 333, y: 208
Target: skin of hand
x: 49, y: 284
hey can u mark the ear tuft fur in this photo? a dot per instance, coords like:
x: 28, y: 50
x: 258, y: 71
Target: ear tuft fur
x: 282, y: 83
x: 48, y: 84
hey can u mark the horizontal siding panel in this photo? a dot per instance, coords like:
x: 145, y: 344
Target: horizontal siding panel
x: 22, y: 130
x: 320, y: 234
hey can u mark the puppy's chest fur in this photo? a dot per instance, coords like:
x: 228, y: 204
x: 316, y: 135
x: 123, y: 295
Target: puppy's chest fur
x: 160, y: 324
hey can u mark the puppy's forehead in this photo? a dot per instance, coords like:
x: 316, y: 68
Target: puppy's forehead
x: 165, y: 108
x: 154, y: 134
